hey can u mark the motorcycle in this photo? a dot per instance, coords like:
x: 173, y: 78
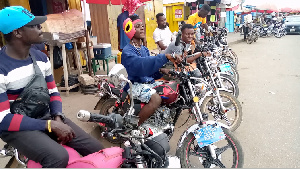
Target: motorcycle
x: 279, y: 30
x: 252, y: 36
x: 266, y: 30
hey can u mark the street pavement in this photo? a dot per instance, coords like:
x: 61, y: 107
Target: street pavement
x: 269, y: 95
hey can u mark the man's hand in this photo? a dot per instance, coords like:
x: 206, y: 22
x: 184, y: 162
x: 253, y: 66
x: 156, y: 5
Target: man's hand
x: 206, y: 54
x: 63, y: 132
x: 177, y: 59
x: 164, y: 71
x: 185, y: 53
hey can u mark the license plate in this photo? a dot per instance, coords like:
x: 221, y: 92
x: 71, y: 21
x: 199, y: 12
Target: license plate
x: 225, y: 67
x: 209, y: 135
x: 292, y: 30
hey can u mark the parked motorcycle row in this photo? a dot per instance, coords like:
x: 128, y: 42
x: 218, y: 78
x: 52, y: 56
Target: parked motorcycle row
x: 208, y: 91
x: 277, y: 29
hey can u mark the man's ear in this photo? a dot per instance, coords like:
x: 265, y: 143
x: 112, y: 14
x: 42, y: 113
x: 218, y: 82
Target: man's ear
x: 17, y: 33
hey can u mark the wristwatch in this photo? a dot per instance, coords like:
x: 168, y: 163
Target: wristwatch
x: 173, y: 56
x: 62, y: 116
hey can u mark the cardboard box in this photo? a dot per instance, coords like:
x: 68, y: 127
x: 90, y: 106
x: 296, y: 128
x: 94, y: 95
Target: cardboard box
x: 86, y: 80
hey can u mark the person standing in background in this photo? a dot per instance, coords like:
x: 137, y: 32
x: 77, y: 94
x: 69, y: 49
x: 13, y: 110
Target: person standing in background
x: 128, y: 9
x: 162, y: 34
x: 238, y: 23
x: 122, y: 38
x: 199, y: 18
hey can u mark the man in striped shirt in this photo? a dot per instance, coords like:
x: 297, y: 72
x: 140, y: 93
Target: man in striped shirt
x: 38, y: 139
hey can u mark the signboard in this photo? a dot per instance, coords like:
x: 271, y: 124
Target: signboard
x: 178, y: 13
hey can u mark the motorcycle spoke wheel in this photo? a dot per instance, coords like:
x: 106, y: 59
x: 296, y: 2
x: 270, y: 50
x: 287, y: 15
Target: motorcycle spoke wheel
x: 228, y: 151
x: 230, y: 85
x: 211, y: 106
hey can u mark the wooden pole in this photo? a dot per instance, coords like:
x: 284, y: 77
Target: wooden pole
x: 88, y: 52
x: 87, y: 41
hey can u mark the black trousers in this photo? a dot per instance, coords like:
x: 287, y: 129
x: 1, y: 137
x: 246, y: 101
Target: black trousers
x: 40, y: 146
x: 246, y: 31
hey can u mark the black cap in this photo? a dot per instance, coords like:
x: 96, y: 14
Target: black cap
x: 37, y: 20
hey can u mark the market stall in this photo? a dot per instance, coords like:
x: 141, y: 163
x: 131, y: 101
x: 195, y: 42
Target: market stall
x: 64, y: 29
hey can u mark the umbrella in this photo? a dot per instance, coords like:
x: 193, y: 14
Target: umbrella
x: 112, y: 2
x: 296, y: 10
x: 286, y: 9
x: 268, y: 7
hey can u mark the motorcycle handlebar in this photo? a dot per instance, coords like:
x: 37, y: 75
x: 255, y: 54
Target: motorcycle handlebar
x: 86, y: 116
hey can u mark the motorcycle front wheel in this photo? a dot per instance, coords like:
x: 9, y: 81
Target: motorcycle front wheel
x: 233, y: 116
x: 249, y: 40
x: 230, y: 84
x: 234, y: 56
x: 278, y: 35
x: 107, y: 108
x: 229, y: 153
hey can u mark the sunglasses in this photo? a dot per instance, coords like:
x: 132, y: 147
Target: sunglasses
x: 34, y: 26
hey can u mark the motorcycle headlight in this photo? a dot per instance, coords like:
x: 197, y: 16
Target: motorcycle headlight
x: 200, y: 87
x: 118, y: 76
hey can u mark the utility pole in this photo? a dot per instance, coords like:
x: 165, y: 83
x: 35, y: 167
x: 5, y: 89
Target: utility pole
x: 222, y: 14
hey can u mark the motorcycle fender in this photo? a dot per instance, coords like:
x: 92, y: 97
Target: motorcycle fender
x: 194, y: 127
x: 224, y: 73
x: 223, y: 89
x: 209, y: 93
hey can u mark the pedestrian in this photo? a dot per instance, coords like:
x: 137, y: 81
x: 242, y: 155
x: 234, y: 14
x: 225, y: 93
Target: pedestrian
x: 246, y: 29
x: 238, y: 23
x: 162, y: 34
x: 199, y: 18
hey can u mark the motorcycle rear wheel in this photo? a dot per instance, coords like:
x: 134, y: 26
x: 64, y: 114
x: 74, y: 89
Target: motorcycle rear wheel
x: 190, y: 149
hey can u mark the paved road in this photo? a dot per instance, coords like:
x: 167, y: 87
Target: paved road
x: 269, y: 93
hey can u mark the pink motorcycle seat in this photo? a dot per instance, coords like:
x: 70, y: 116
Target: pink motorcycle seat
x: 106, y: 158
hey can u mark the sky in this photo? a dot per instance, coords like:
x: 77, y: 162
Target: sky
x: 278, y: 3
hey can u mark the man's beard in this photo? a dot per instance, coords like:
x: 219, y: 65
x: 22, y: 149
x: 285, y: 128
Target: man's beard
x: 163, y: 26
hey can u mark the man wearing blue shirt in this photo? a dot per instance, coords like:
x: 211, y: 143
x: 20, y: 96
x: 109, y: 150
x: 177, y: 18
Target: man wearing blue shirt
x: 142, y: 68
